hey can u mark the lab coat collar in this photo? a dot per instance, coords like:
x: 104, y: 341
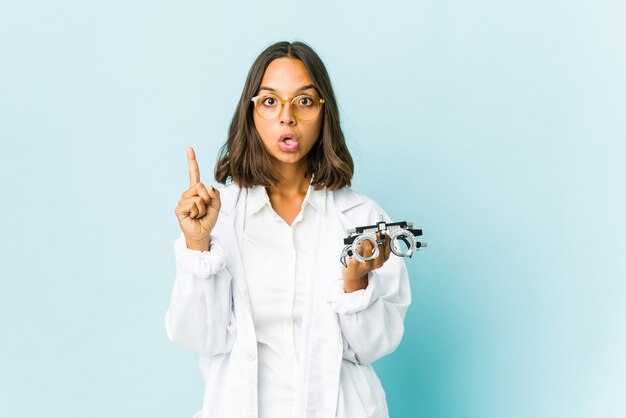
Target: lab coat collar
x: 229, y: 196
x: 257, y: 198
x: 344, y: 199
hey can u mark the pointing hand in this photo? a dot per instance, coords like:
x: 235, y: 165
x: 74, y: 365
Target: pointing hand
x: 197, y: 208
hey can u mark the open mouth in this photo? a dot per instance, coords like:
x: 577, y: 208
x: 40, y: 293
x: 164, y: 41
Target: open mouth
x: 288, y: 138
x: 288, y: 142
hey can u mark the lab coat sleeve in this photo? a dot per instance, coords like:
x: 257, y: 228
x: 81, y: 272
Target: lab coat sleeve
x: 199, y: 316
x: 372, y: 319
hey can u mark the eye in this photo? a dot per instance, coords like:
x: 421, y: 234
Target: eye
x: 269, y: 101
x: 305, y: 101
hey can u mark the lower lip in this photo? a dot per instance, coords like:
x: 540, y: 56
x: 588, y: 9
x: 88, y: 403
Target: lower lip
x: 293, y: 147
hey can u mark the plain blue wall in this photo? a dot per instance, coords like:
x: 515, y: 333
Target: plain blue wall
x: 498, y: 127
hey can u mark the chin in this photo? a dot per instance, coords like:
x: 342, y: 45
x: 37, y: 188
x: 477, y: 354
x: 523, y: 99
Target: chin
x: 288, y: 158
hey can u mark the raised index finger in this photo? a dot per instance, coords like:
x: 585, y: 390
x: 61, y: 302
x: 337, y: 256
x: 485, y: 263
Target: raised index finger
x: 194, y: 170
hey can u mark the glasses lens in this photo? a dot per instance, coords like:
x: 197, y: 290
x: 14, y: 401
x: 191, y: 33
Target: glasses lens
x: 268, y: 106
x: 305, y: 107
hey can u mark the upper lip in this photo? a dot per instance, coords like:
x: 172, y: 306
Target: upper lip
x: 286, y: 135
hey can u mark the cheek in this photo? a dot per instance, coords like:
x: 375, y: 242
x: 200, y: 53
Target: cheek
x: 262, y: 128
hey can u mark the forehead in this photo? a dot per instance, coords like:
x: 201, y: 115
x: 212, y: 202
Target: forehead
x: 286, y: 75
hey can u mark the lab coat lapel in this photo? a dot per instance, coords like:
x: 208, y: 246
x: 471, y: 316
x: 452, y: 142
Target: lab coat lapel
x: 233, y: 213
x: 344, y: 200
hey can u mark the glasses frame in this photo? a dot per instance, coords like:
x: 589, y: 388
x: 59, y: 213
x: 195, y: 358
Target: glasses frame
x: 282, y: 104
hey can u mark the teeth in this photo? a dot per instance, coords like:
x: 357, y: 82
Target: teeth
x: 287, y: 141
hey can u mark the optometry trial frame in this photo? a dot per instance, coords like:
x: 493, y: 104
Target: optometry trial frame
x: 397, y: 231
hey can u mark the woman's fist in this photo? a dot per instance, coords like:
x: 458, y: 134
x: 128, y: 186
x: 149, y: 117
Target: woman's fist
x: 355, y: 274
x: 197, y: 208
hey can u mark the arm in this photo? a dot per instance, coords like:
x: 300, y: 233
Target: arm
x: 372, y: 318
x: 200, y: 313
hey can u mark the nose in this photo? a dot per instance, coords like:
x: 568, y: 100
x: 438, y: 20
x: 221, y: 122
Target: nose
x: 286, y: 116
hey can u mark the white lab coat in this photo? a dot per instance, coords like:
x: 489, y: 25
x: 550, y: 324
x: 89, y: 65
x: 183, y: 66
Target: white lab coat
x: 342, y: 333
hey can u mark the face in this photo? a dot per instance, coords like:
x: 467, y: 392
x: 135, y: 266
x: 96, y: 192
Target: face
x: 287, y: 138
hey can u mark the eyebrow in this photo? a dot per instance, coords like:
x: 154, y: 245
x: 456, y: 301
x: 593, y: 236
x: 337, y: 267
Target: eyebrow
x: 308, y: 86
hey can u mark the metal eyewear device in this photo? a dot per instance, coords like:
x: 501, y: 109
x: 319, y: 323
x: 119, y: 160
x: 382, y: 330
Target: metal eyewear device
x: 399, y: 232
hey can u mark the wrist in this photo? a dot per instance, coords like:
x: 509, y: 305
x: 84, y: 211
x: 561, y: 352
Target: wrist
x: 202, y: 245
x: 352, y: 285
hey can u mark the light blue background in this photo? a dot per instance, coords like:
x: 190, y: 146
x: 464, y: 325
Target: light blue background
x: 497, y: 126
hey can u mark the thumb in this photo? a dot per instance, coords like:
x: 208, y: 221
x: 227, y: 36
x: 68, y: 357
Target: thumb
x: 214, y: 194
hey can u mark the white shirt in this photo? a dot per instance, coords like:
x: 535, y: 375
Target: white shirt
x: 278, y: 260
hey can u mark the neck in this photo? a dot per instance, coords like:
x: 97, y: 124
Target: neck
x: 293, y: 180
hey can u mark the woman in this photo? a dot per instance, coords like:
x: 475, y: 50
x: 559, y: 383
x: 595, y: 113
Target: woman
x: 282, y: 328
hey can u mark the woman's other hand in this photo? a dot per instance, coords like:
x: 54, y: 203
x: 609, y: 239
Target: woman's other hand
x: 355, y: 274
x: 197, y: 208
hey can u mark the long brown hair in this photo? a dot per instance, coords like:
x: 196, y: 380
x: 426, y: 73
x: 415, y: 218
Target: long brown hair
x: 244, y: 161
